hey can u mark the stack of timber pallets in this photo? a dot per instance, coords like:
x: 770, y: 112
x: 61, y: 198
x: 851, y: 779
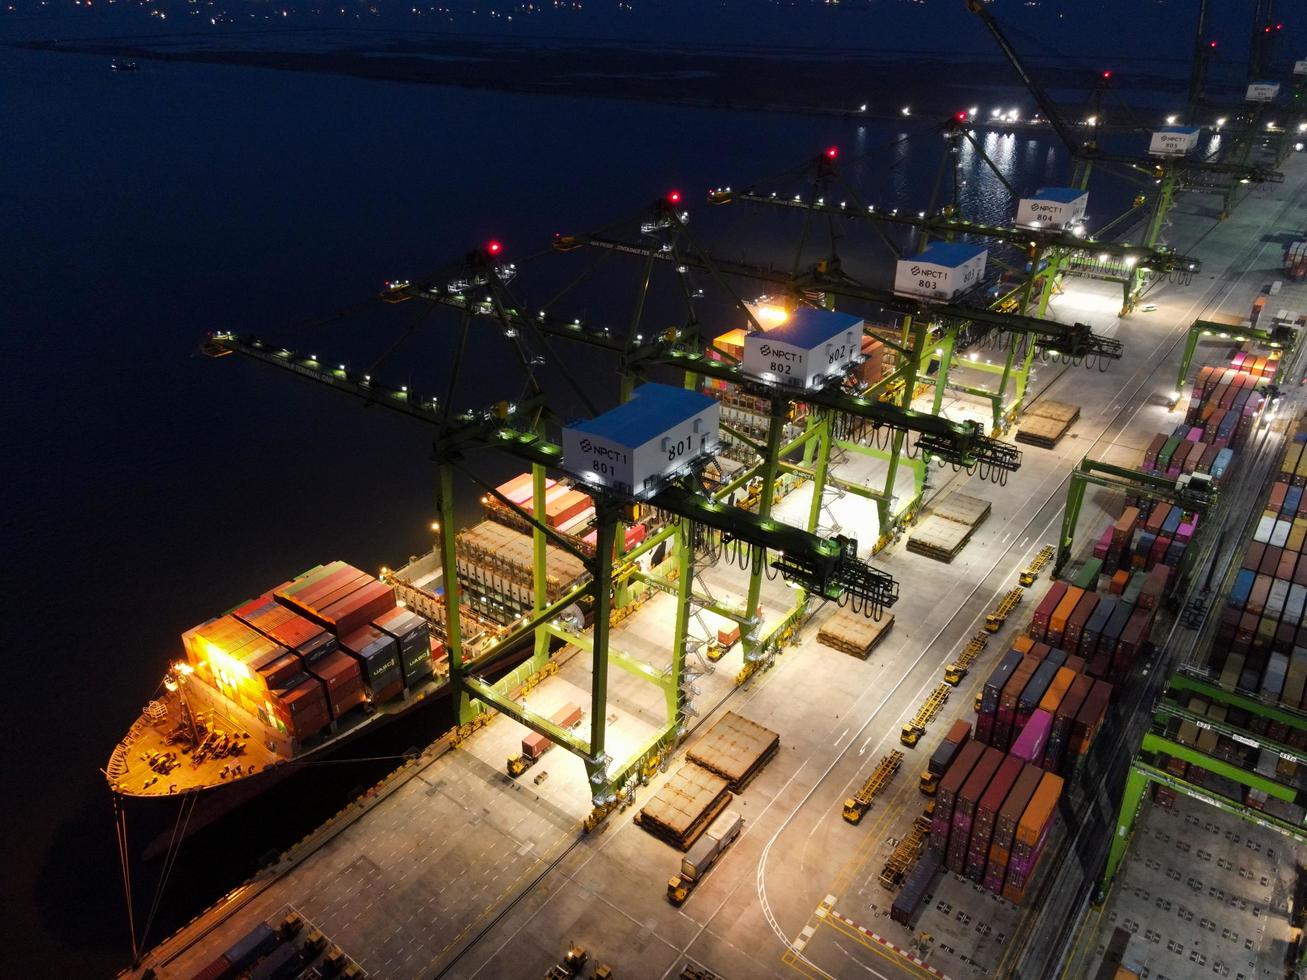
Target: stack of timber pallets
x: 687, y: 803
x: 949, y: 527
x: 1046, y: 422
x: 854, y: 634
x: 736, y: 749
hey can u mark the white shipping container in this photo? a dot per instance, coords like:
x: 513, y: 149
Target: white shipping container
x: 942, y: 271
x: 1264, y: 528
x: 1262, y: 92
x: 811, y: 348
x: 636, y: 447
x: 1280, y: 534
x: 1059, y: 207
x: 1300, y: 67
x: 1275, y: 599
x: 1173, y: 141
x: 1293, y: 606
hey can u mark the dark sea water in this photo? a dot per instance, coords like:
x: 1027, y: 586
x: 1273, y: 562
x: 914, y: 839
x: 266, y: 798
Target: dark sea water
x: 147, y: 487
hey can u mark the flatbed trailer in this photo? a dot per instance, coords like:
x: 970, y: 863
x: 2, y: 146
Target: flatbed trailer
x: 914, y: 729
x: 1031, y: 571
x: 995, y: 620
x: 957, y: 670
x: 905, y: 853
x: 856, y: 806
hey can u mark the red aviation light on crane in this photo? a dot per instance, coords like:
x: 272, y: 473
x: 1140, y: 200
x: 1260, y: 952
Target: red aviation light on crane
x: 494, y: 247
x: 832, y: 152
x: 1107, y: 75
x: 961, y: 116
x: 674, y: 197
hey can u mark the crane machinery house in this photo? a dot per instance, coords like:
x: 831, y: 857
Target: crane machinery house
x: 942, y: 271
x: 638, y: 447
x: 1173, y: 141
x: 810, y: 348
x: 1262, y: 91
x: 1060, y: 207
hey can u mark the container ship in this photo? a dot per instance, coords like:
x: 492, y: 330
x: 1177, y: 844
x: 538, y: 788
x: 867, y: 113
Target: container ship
x: 327, y: 656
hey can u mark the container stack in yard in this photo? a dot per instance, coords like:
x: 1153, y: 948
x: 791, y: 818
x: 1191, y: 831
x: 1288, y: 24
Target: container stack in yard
x: 304, y: 655
x: 992, y: 818
x: 1261, y: 639
x: 1045, y: 700
x: 943, y: 756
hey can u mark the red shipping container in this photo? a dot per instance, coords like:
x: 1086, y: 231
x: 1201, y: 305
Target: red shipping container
x: 946, y: 795
x: 982, y: 828
x: 280, y: 670
x: 1044, y: 611
x: 360, y: 608
x: 1090, y: 717
x: 1005, y: 825
x: 1158, y: 517
x: 964, y: 808
x: 1075, y: 625
x: 343, y: 678
x: 1007, y: 701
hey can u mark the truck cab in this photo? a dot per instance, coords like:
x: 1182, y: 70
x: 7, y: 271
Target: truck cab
x: 929, y: 782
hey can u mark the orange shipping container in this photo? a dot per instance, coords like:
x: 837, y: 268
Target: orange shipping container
x: 1040, y: 810
x: 1125, y: 524
x: 1057, y: 689
x: 558, y: 512
x: 1057, y: 624
x: 1023, y: 643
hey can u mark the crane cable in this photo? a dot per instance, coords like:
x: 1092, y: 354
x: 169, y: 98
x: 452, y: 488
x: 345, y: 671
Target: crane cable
x: 124, y: 862
x: 189, y: 802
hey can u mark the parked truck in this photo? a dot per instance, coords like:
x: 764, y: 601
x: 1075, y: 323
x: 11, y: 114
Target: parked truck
x: 573, y: 963
x: 534, y: 745
x: 944, y: 755
x: 703, y: 855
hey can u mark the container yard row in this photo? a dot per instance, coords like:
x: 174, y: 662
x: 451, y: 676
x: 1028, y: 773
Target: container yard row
x: 1261, y: 639
x: 996, y: 784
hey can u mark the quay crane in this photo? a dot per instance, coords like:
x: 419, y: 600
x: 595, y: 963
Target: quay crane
x: 1050, y: 251
x: 481, y: 289
x: 828, y: 568
x: 1169, y: 174
x: 920, y: 343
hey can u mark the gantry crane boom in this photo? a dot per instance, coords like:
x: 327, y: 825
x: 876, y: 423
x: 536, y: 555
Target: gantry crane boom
x: 827, y: 566
x: 1072, y: 339
x: 1046, y: 105
x: 1157, y: 259
x: 1150, y: 166
x: 963, y: 443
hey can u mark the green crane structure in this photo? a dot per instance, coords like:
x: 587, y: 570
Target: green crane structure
x: 1196, y: 496
x: 1193, y: 731
x: 1050, y: 252
x: 1166, y: 175
x: 481, y: 290
x: 1281, y: 337
x: 828, y: 568
x: 945, y: 320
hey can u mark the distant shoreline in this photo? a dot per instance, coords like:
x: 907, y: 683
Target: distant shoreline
x: 801, y: 82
